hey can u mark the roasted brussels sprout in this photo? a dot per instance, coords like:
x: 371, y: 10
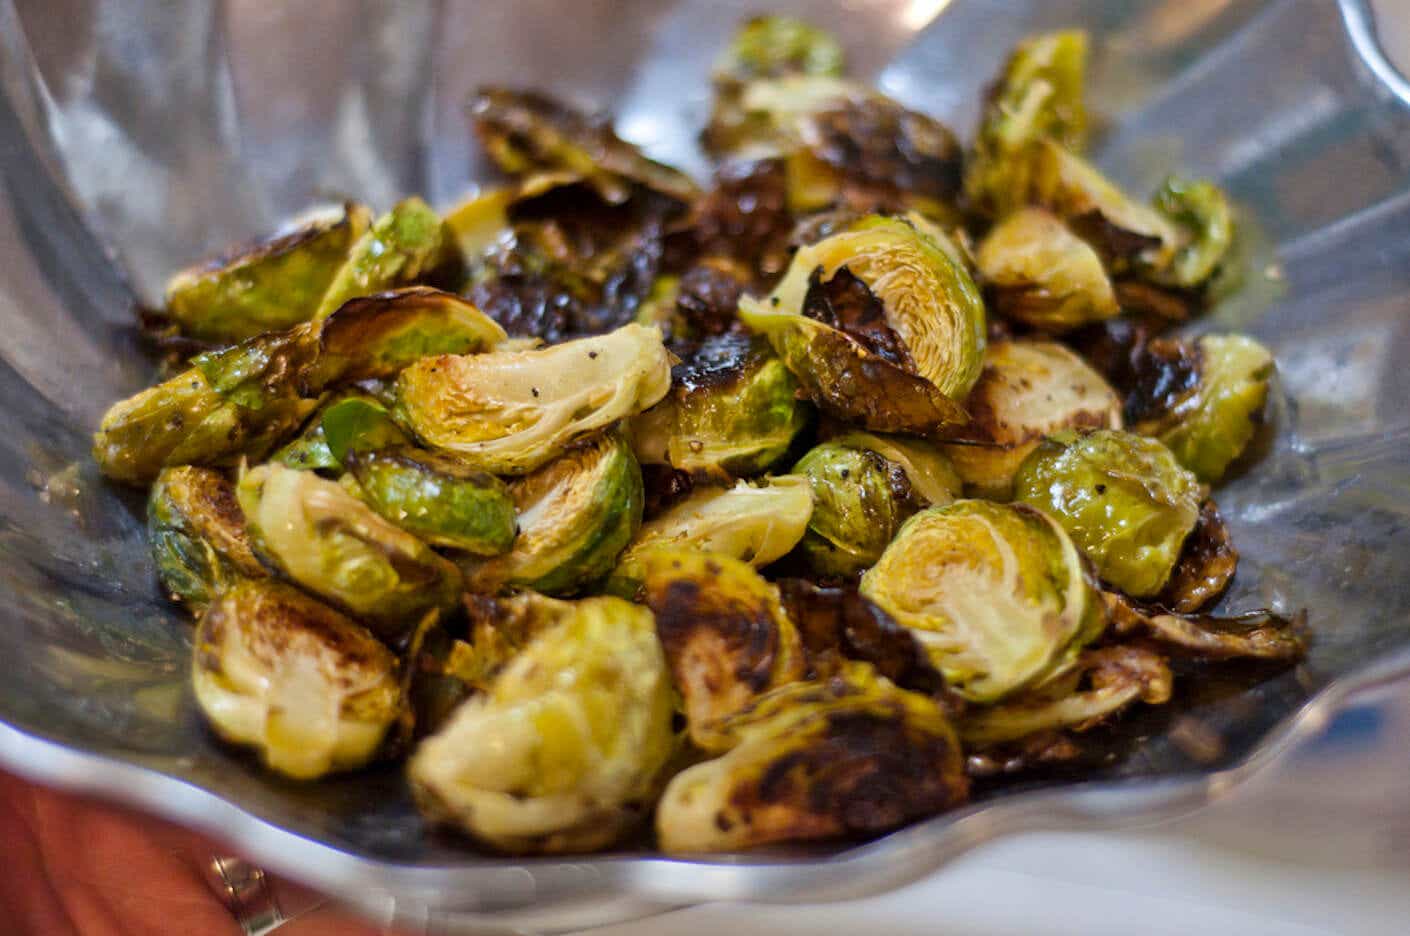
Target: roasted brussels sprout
x: 1028, y: 389
x: 528, y: 132
x: 563, y: 752
x: 1039, y: 95
x: 241, y: 401
x: 329, y: 542
x: 375, y: 337
x: 481, y: 219
x: 755, y: 523
x: 849, y: 755
x: 774, y: 46
x: 509, y: 412
x: 1127, y: 234
x: 862, y: 496
x: 406, y: 245
x: 724, y: 632
x: 1041, y: 274
x: 996, y: 594
x: 437, y: 498
x: 732, y: 410
x: 1205, y: 406
x: 199, y: 543
x: 880, y: 326
x: 311, y: 690
x: 264, y: 287
x: 352, y: 423
x: 1102, y: 683
x: 1259, y: 634
x: 576, y: 515
x: 1202, y: 209
x: 1123, y: 498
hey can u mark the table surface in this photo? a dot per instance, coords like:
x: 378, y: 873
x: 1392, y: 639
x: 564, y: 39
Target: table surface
x: 1320, y: 844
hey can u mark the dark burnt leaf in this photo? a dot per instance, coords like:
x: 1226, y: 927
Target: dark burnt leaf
x: 745, y: 217
x: 1172, y: 305
x: 1206, y: 567
x: 665, y: 487
x: 1260, y: 634
x: 846, y: 304
x: 837, y: 623
x: 708, y: 298
x: 874, y: 142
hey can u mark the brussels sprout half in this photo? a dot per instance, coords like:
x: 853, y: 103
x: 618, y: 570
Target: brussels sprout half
x: 407, y: 244
x: 732, y: 410
x: 509, y: 412
x: 1211, y: 424
x: 851, y: 755
x: 265, y: 287
x: 528, y: 132
x: 1043, y: 275
x: 1029, y: 389
x: 329, y: 542
x: 199, y: 542
x: 774, y: 46
x: 862, y: 496
x: 376, y: 336
x: 241, y: 401
x: 724, y: 632
x: 754, y: 523
x: 996, y: 594
x: 576, y: 515
x: 880, y: 326
x: 1101, y: 683
x: 437, y: 498
x: 1123, y: 498
x: 1127, y: 234
x: 563, y: 752
x: 1038, y: 95
x: 311, y: 690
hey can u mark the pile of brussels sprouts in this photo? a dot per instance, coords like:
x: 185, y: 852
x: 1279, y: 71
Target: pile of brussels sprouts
x: 779, y: 510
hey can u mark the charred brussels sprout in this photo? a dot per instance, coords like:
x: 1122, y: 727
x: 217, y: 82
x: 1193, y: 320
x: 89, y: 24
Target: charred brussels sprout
x: 352, y: 423
x: 1258, y: 635
x: 774, y: 46
x: 851, y: 755
x: 1041, y: 274
x: 1029, y: 389
x: 265, y: 287
x: 527, y: 132
x: 332, y: 544
x: 509, y: 412
x: 995, y: 594
x: 754, y: 523
x: 723, y: 629
x: 311, y: 690
x: 242, y: 401
x: 563, y: 752
x: 198, y: 535
x: 437, y: 498
x: 1123, y: 498
x: 733, y: 409
x: 863, y: 496
x: 880, y: 326
x: 1039, y: 95
x: 1202, y: 209
x: 374, y: 337
x: 1211, y: 421
x: 407, y: 244
x: 576, y: 515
